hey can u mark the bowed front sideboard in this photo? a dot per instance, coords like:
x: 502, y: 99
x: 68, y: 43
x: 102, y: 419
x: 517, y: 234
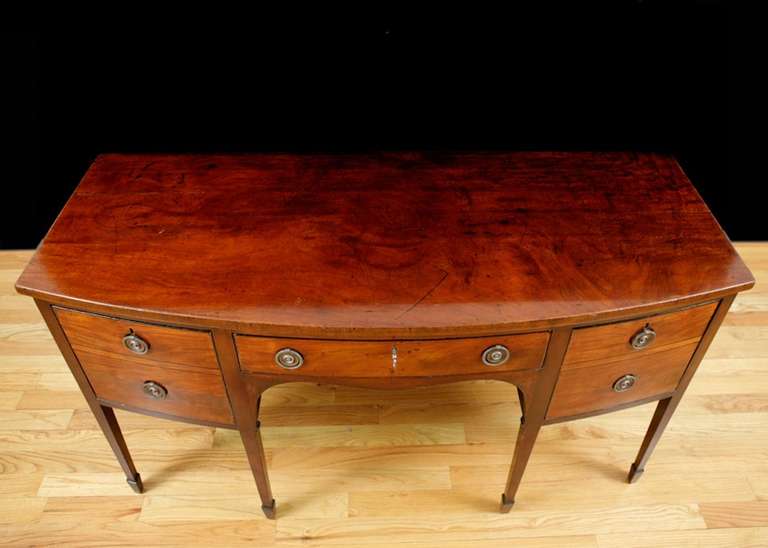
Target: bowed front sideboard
x: 184, y: 286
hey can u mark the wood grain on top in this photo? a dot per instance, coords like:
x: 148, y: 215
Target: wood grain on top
x: 380, y: 245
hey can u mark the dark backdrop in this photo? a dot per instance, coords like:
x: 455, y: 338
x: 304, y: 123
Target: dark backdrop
x: 625, y: 75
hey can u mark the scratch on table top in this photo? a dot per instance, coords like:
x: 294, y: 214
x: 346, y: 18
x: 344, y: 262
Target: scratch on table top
x: 427, y: 294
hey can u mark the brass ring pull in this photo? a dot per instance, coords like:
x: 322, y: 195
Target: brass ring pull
x: 624, y: 383
x: 135, y: 344
x: 288, y: 358
x: 495, y: 355
x: 643, y: 338
x: 155, y: 390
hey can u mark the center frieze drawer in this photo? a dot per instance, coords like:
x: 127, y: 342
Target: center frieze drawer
x: 333, y: 358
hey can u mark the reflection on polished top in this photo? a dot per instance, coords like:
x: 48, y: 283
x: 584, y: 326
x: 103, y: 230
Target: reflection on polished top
x: 405, y: 244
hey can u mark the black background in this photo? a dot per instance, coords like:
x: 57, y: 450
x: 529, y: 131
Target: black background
x: 624, y: 75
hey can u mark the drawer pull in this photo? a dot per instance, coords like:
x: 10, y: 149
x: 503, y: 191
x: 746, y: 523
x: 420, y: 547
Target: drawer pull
x: 155, y: 390
x: 643, y: 338
x: 624, y: 383
x: 135, y: 344
x: 288, y: 358
x: 495, y: 355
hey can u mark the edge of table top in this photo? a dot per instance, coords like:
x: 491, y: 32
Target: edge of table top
x: 379, y: 333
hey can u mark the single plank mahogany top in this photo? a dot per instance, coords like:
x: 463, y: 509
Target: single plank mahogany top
x: 372, y: 246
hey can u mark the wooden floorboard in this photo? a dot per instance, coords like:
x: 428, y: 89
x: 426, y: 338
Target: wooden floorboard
x: 419, y: 467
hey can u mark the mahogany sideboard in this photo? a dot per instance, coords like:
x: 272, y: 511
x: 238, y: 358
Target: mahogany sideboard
x: 184, y: 286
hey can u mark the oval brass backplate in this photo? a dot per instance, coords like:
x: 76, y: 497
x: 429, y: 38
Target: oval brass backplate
x: 155, y: 390
x: 624, y: 383
x: 643, y: 338
x: 288, y: 358
x: 135, y: 344
x: 495, y: 355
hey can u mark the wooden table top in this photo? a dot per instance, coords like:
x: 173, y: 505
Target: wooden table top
x: 379, y: 245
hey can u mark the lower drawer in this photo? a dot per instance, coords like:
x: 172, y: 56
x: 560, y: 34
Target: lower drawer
x: 601, y: 387
x: 191, y: 394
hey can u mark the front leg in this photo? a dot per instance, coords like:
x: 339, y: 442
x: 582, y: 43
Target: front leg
x: 104, y: 415
x: 245, y: 408
x: 666, y: 407
x: 254, y: 449
x: 533, y: 402
x: 526, y: 438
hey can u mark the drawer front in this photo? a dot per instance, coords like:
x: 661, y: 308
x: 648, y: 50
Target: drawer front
x: 166, y: 346
x: 598, y: 357
x: 593, y: 345
x: 591, y: 389
x: 188, y: 394
x: 178, y: 375
x: 330, y: 358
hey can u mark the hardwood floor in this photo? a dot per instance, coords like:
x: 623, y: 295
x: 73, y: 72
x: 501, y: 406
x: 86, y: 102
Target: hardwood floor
x: 420, y: 467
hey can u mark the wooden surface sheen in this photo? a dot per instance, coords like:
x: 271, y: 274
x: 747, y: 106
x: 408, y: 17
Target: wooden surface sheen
x: 405, y: 245
x: 419, y: 467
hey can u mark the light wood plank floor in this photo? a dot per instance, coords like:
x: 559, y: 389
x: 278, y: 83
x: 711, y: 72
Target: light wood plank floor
x: 419, y: 467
